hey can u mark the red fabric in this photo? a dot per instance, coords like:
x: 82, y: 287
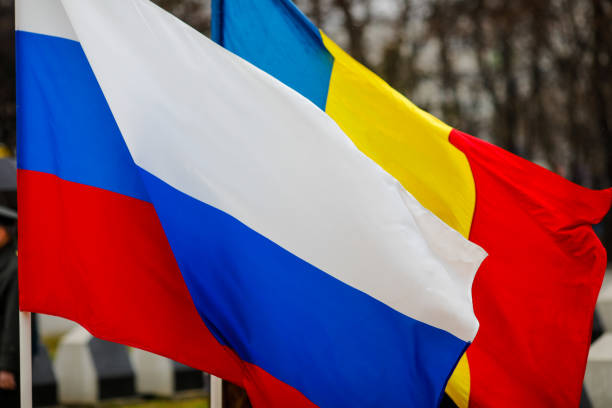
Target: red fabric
x: 102, y: 259
x: 535, y: 294
x: 266, y: 391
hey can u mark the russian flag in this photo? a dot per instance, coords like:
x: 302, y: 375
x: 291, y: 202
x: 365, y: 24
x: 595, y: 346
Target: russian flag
x: 175, y: 198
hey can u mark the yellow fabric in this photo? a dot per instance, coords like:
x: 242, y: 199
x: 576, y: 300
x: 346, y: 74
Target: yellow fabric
x: 411, y: 145
x: 407, y: 142
x: 458, y: 387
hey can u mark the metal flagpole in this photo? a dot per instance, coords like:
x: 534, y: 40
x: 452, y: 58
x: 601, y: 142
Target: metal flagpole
x: 25, y: 358
x: 25, y: 331
x: 216, y: 392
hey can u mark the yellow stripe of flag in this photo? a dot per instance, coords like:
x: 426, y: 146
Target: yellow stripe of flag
x: 407, y: 142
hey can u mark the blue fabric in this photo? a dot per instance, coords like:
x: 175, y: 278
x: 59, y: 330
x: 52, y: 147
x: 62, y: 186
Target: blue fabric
x: 64, y: 124
x: 276, y: 37
x: 335, y: 344
x: 216, y: 29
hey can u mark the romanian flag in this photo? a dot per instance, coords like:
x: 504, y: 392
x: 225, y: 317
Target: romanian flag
x: 535, y: 294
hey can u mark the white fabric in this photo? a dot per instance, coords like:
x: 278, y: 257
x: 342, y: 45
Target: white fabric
x: 43, y: 17
x: 218, y: 129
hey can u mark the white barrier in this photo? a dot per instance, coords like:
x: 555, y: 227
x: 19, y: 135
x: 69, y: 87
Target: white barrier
x: 50, y: 326
x: 89, y: 369
x: 154, y: 375
x: 598, y: 378
x: 159, y: 376
x: 604, y: 306
x: 75, y: 370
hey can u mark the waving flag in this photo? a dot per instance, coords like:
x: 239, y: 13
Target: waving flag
x: 175, y: 198
x: 534, y: 295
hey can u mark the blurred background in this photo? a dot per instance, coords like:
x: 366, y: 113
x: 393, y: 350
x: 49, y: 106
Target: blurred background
x: 532, y: 76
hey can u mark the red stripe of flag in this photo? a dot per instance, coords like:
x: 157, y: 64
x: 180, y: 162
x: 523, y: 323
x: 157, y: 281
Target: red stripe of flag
x: 102, y: 259
x: 535, y: 294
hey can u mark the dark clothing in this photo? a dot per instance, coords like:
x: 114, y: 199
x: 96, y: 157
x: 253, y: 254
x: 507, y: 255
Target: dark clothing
x: 10, y: 399
x: 9, y: 310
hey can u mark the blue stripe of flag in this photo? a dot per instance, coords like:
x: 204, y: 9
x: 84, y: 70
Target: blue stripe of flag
x: 65, y: 126
x: 276, y: 37
x: 328, y: 340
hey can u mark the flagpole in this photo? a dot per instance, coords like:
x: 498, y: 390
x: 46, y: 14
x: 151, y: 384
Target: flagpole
x: 25, y: 358
x: 216, y: 392
x: 25, y: 329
